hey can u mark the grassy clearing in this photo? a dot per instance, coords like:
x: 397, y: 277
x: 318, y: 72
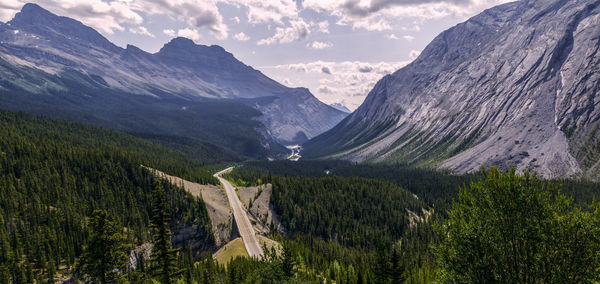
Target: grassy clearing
x: 231, y: 250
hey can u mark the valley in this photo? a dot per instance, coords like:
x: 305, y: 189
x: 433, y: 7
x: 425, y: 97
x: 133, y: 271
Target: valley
x: 475, y: 162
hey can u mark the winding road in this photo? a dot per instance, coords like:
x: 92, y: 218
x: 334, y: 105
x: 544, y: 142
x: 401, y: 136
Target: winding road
x: 241, y: 218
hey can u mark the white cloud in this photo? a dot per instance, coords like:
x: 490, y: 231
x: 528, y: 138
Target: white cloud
x: 107, y: 17
x: 266, y: 11
x: 323, y: 27
x: 408, y: 37
x: 413, y: 54
x: 392, y: 36
x: 170, y: 32
x: 241, y: 36
x: 236, y: 19
x: 198, y: 14
x: 349, y: 81
x: 320, y: 45
x: 141, y: 31
x: 297, y: 30
x: 378, y: 15
x: 192, y: 34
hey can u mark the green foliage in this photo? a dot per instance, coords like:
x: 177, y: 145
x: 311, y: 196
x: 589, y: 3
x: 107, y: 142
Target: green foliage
x: 511, y: 228
x: 54, y: 174
x: 436, y: 188
x: 104, y: 255
x: 164, y: 257
x: 351, y: 211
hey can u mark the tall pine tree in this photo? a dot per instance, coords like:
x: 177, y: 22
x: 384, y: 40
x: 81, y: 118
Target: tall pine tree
x: 164, y: 257
x: 105, y: 251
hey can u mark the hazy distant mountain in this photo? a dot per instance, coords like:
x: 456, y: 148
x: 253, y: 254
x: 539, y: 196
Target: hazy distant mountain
x: 50, y: 63
x: 340, y: 107
x: 516, y: 84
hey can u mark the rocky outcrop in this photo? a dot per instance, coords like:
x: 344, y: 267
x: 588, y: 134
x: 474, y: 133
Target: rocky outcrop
x: 515, y: 84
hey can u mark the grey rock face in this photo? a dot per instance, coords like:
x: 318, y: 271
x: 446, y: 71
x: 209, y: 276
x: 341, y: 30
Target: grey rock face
x: 182, y: 69
x: 516, y: 84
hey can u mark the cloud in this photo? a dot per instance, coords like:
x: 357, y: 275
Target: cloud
x: 236, y: 19
x: 413, y: 54
x: 319, y: 45
x: 347, y: 84
x: 170, y: 32
x: 408, y: 37
x: 392, y: 36
x: 324, y: 90
x: 297, y: 30
x: 365, y: 68
x: 192, y: 34
x: 141, y: 31
x: 323, y: 26
x: 241, y: 36
x: 107, y: 17
x: 379, y: 15
x: 198, y: 14
x: 266, y: 11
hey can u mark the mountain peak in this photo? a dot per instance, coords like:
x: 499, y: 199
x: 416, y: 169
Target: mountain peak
x: 33, y: 13
x: 35, y: 19
x: 34, y: 8
x: 181, y: 42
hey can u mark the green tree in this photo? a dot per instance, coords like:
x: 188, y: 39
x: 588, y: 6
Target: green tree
x: 163, y: 257
x: 397, y: 267
x: 288, y: 261
x: 105, y: 251
x: 511, y: 228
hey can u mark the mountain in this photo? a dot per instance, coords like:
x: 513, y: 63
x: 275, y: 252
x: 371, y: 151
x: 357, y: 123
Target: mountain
x: 59, y: 67
x: 340, y: 107
x: 515, y: 84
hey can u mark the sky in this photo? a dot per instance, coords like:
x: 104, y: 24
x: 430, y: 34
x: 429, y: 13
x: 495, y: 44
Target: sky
x: 338, y: 49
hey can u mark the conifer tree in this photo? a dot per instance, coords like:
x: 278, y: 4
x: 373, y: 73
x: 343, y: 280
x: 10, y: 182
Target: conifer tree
x: 398, y: 268
x: 288, y: 261
x: 105, y: 251
x: 163, y: 257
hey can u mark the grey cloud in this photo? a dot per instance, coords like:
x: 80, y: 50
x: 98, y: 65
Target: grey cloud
x: 354, y: 8
x: 324, y: 90
x: 326, y: 70
x: 365, y: 69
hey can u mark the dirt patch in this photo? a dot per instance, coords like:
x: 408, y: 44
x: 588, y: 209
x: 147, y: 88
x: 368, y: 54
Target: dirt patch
x: 256, y: 199
x: 216, y: 202
x: 270, y: 244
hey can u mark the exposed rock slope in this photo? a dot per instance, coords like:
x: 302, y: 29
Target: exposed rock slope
x: 516, y: 84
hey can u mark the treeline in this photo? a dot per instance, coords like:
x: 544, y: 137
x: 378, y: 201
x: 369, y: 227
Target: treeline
x: 54, y: 174
x: 435, y: 188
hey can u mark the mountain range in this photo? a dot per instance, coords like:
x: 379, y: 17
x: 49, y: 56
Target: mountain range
x: 514, y: 85
x: 58, y: 67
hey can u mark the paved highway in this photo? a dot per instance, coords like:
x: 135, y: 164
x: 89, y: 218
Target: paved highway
x: 241, y: 218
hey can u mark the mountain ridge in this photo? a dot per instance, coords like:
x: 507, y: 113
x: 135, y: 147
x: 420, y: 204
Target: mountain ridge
x: 182, y: 70
x: 490, y: 91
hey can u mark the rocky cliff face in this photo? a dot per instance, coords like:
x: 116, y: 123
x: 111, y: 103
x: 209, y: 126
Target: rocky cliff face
x: 181, y: 69
x: 516, y: 84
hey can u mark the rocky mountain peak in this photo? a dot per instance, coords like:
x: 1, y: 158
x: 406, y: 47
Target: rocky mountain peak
x: 184, y: 51
x: 37, y: 20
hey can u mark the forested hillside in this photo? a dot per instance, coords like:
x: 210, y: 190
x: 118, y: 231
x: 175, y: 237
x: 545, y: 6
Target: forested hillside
x: 54, y: 174
x: 331, y: 207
